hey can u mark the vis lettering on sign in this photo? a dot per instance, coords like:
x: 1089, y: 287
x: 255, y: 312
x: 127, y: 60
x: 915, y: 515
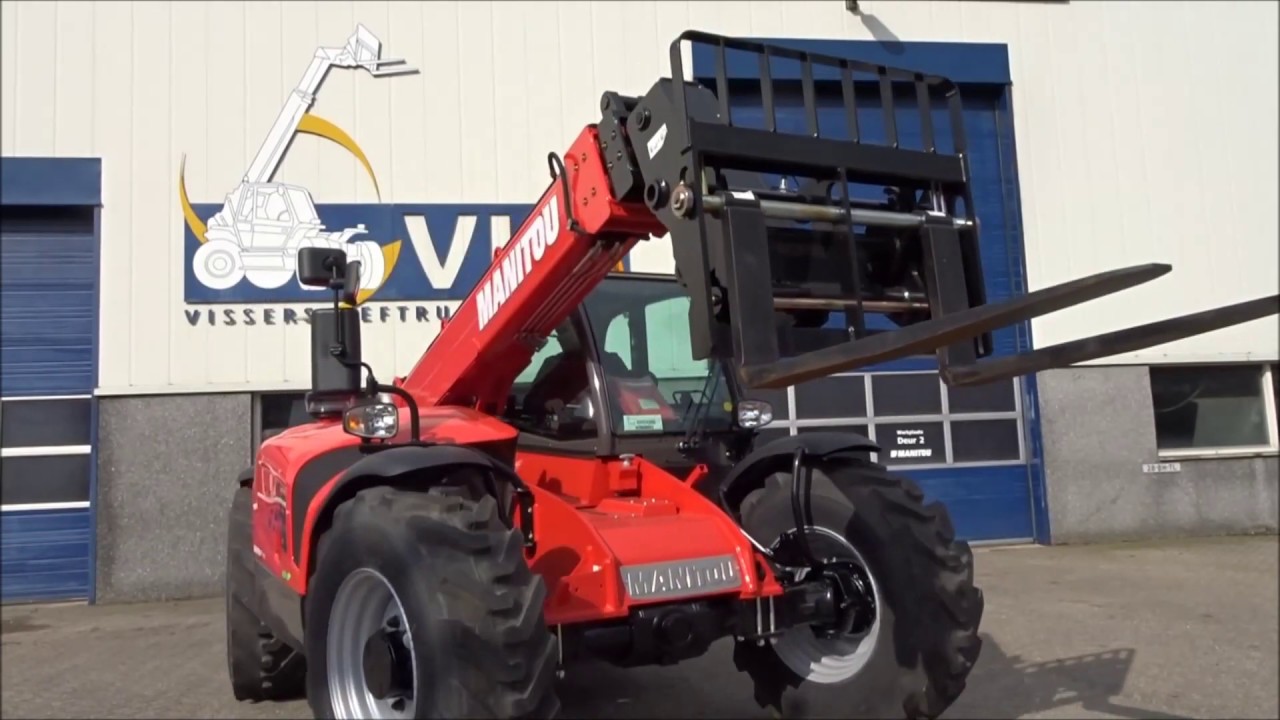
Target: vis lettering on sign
x: 518, y: 261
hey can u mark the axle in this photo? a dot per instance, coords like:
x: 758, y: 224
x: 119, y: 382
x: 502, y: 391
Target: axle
x: 837, y: 601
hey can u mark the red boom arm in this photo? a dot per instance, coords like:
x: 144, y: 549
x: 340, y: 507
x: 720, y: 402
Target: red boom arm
x: 562, y: 251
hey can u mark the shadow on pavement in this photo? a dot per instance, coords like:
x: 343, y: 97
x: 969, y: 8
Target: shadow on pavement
x: 1001, y: 686
x: 1007, y: 686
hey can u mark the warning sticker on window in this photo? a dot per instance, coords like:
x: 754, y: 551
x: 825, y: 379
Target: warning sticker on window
x: 642, y: 423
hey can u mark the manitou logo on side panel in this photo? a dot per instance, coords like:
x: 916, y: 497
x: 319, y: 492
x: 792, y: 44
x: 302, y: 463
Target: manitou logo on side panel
x: 518, y: 261
x: 681, y: 578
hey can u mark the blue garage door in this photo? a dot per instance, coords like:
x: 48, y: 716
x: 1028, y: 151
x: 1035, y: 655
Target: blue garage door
x: 966, y: 447
x: 47, y: 316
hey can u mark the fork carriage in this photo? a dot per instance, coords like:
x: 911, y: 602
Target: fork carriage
x: 765, y: 266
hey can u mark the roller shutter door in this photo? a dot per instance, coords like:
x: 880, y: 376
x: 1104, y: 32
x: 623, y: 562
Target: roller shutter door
x: 48, y: 304
x: 966, y: 447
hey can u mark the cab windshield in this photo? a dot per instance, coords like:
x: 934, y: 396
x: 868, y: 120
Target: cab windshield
x: 653, y: 382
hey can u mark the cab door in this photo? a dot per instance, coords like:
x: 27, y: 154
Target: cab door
x: 657, y: 392
x: 555, y: 401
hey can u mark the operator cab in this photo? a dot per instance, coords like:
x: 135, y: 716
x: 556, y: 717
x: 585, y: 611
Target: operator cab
x: 619, y: 377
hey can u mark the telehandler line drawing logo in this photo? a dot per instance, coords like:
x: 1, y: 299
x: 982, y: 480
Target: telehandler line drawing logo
x: 256, y: 235
x: 244, y: 250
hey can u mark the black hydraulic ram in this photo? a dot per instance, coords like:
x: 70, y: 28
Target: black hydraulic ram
x: 764, y: 263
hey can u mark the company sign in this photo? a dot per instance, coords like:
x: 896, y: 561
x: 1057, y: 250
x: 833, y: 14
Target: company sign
x: 415, y: 259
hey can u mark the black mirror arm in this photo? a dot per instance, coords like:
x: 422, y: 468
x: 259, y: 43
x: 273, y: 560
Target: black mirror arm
x: 344, y: 281
x: 348, y: 282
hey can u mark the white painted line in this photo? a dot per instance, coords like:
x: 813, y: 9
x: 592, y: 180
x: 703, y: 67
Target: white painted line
x: 38, y: 398
x: 47, y: 451
x: 1016, y: 544
x: 29, y: 507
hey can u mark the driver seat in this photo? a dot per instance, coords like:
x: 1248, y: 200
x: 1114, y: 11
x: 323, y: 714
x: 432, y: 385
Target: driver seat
x: 635, y: 393
x: 562, y: 377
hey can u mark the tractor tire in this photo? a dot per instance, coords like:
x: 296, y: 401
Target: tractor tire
x: 915, y: 658
x: 422, y: 605
x: 261, y: 666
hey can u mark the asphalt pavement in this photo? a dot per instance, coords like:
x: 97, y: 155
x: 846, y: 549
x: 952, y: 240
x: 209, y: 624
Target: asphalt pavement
x: 1144, y: 630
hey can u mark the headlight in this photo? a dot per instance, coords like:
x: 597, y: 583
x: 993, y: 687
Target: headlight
x: 377, y: 421
x: 754, y: 414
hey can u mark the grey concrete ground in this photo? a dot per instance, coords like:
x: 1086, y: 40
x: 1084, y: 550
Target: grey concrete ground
x: 1151, y: 630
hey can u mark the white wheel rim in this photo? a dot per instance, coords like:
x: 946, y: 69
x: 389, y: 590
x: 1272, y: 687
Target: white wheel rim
x: 364, y: 604
x: 219, y: 264
x: 216, y: 265
x: 835, y: 660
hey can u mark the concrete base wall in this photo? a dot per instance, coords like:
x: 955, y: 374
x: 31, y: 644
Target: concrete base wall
x: 166, y: 473
x: 167, y: 465
x: 1098, y: 429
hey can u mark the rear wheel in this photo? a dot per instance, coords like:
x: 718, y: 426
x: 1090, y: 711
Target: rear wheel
x: 421, y: 606
x: 372, y: 263
x: 923, y: 641
x: 268, y: 279
x: 261, y: 666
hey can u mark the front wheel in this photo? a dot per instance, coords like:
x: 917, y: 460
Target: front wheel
x: 217, y: 264
x: 268, y: 279
x: 923, y: 640
x: 422, y: 606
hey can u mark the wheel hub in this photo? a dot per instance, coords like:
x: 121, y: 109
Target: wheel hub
x: 838, y: 647
x: 849, y: 598
x: 370, y: 655
x: 854, y: 602
x: 387, y: 666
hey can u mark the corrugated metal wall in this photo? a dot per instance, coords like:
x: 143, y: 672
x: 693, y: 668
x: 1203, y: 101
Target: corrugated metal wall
x: 1146, y: 131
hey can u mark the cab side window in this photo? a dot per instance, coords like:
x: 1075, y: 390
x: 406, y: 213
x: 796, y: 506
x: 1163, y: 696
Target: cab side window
x: 618, y: 339
x: 666, y: 354
x: 670, y: 348
x: 552, y: 396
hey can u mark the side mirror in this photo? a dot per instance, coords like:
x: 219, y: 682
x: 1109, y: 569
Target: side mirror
x: 336, y: 371
x: 322, y: 267
x: 336, y: 366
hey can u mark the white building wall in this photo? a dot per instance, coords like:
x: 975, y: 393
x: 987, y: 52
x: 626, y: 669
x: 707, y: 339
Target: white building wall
x: 1146, y: 132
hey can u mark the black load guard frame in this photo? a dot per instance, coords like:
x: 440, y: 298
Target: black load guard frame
x: 754, y: 275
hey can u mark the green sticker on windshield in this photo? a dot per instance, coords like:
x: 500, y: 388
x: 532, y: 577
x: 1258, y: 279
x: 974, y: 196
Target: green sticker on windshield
x: 647, y: 404
x: 642, y: 423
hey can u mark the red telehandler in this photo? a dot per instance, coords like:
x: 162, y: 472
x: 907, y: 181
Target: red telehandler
x: 571, y: 471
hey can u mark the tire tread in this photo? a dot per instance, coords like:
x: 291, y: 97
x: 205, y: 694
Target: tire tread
x: 261, y: 666
x: 490, y: 601
x: 920, y: 534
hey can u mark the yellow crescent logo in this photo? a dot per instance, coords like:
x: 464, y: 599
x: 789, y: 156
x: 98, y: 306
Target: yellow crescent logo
x: 311, y: 125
